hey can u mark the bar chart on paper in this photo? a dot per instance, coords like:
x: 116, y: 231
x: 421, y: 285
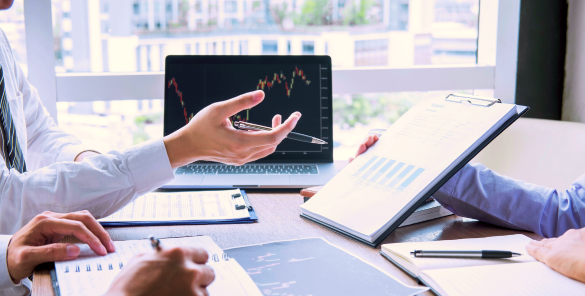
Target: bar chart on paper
x: 387, y: 173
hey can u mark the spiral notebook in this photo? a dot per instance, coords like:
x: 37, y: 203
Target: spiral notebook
x: 91, y: 274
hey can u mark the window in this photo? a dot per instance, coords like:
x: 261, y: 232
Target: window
x: 401, y: 38
x: 371, y: 52
x: 269, y: 47
x: 231, y: 6
x: 308, y: 47
x: 450, y: 27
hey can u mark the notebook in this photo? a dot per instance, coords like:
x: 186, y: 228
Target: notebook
x: 521, y: 275
x: 91, y: 274
x: 186, y: 207
x: 429, y: 210
x: 381, y: 188
x: 313, y: 266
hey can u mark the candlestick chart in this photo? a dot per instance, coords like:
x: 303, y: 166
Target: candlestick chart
x: 173, y: 82
x: 268, y: 84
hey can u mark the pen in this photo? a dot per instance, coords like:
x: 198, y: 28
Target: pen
x: 466, y: 254
x: 154, y: 242
x: 293, y: 136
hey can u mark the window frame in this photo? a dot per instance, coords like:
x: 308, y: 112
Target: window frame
x: 495, y: 68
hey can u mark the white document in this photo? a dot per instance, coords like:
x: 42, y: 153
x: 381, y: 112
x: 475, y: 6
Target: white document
x: 176, y: 206
x: 92, y: 274
x: 533, y: 278
x: 515, y: 243
x: 423, y: 146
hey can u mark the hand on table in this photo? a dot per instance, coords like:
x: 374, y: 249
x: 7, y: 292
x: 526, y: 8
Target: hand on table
x: 170, y: 271
x: 210, y: 135
x: 36, y: 243
x: 565, y: 254
x: 368, y: 142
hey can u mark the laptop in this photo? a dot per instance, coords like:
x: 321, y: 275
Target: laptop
x: 291, y: 83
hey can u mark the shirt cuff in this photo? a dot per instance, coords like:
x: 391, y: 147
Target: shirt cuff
x: 149, y: 165
x: 5, y: 280
x: 70, y: 152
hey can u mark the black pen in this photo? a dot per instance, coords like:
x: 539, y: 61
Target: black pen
x: 293, y: 136
x: 485, y: 254
x: 155, y: 243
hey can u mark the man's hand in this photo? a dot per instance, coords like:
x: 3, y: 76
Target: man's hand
x: 368, y: 142
x: 172, y: 271
x: 36, y: 243
x: 210, y: 135
x: 565, y: 254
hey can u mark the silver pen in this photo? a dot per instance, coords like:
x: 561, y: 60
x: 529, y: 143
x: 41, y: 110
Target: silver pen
x: 485, y: 254
x: 293, y: 136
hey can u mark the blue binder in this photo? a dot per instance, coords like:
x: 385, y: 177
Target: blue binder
x: 253, y: 218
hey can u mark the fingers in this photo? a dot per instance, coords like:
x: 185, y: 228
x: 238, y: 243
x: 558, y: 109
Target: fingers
x: 197, y: 255
x: 273, y: 137
x: 276, y: 120
x: 52, y: 252
x: 230, y: 107
x: 371, y: 140
x: 54, y: 226
x: 94, y: 226
x: 536, y: 251
x: 205, y: 275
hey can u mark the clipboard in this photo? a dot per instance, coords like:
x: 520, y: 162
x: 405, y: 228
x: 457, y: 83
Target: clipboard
x: 253, y: 218
x: 456, y: 98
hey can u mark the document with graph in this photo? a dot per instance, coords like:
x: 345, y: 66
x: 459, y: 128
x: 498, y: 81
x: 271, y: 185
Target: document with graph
x: 186, y: 207
x: 418, y: 154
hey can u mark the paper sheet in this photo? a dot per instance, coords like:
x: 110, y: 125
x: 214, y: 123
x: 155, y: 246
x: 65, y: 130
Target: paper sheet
x: 511, y: 279
x: 515, y: 243
x: 92, y: 275
x: 423, y: 146
x: 189, y: 205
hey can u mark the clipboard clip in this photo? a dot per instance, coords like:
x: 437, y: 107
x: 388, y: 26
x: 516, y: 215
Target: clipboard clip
x: 473, y: 100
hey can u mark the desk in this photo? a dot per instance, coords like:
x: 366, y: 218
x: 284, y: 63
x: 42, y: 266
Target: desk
x: 279, y: 219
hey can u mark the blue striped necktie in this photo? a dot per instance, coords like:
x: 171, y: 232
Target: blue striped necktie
x: 12, y: 153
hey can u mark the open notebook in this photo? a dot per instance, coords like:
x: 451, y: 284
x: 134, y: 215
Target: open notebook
x: 453, y: 276
x: 91, y: 274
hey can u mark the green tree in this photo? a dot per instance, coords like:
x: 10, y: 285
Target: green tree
x: 314, y: 12
x: 357, y: 14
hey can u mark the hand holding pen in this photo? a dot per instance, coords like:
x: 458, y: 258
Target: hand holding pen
x: 166, y: 271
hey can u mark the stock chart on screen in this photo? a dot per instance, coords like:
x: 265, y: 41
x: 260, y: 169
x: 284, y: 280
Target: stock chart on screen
x: 190, y: 87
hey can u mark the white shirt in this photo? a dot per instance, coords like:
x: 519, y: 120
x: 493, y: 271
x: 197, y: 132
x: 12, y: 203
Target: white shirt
x: 101, y: 184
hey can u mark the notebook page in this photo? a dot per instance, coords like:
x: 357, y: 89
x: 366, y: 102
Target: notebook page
x: 420, y: 148
x: 533, y: 278
x: 515, y: 243
x: 92, y: 274
x: 173, y: 206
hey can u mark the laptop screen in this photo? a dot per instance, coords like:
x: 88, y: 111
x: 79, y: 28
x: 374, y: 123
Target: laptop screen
x: 290, y: 83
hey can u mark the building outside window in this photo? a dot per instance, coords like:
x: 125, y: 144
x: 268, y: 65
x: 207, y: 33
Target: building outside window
x: 309, y: 47
x: 269, y: 47
x: 136, y: 36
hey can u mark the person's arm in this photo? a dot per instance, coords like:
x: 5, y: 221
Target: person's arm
x: 46, y: 142
x: 480, y: 193
x: 34, y: 244
x: 172, y: 271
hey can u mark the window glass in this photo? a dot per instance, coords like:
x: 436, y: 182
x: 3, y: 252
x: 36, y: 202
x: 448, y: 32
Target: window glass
x: 136, y: 35
x: 116, y: 125
x: 12, y: 23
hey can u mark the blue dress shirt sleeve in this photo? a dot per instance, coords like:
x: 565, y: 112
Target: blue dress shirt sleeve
x: 480, y: 193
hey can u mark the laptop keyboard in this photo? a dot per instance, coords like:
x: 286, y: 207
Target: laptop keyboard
x: 249, y: 169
